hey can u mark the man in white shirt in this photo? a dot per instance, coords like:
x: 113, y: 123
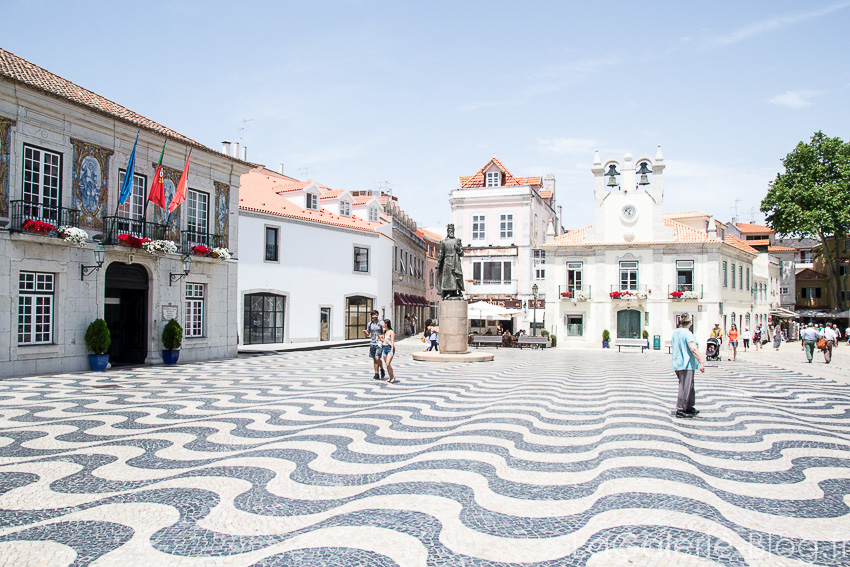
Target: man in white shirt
x: 809, y: 337
x: 831, y: 337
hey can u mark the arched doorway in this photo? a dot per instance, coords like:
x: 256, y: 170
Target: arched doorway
x: 126, y: 312
x: 628, y: 324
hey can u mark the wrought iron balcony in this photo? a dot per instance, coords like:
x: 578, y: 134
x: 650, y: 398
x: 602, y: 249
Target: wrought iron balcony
x: 192, y: 238
x: 140, y: 228
x: 623, y: 291
x: 684, y: 291
x: 22, y: 211
x: 271, y: 252
x: 574, y: 292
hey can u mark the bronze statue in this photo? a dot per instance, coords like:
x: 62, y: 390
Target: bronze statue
x: 449, y: 269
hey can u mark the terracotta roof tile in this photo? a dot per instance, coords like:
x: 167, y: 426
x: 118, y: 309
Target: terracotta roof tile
x: 740, y: 244
x: 22, y: 71
x: 810, y: 274
x: 747, y: 228
x: 478, y: 179
x: 332, y: 193
x: 685, y: 215
x: 258, y: 192
x: 363, y: 199
x: 427, y: 234
x: 759, y: 242
x: 545, y: 194
x: 781, y: 249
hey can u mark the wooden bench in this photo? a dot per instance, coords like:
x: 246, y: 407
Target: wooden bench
x: 525, y: 341
x: 479, y: 340
x: 669, y: 345
x: 630, y: 343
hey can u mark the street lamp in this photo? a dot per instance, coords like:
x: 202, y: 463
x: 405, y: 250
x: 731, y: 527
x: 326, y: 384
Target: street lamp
x: 99, y: 256
x: 534, y: 290
x: 187, y: 266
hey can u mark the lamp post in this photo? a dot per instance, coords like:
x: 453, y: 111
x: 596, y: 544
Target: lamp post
x: 99, y: 257
x: 534, y: 290
x: 187, y: 267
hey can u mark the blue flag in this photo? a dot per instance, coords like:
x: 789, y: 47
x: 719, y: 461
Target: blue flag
x: 127, y: 186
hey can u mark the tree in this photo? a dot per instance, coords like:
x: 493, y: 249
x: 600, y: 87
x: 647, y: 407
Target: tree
x: 812, y: 198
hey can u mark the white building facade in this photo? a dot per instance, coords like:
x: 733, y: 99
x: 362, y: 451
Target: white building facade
x: 503, y: 221
x: 638, y: 269
x: 307, y: 274
x: 63, y: 155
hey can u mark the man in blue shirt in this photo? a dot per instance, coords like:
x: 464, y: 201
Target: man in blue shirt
x: 686, y: 359
x: 374, y: 330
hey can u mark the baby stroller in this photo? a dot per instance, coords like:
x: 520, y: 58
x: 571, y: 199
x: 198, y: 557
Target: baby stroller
x: 712, y: 349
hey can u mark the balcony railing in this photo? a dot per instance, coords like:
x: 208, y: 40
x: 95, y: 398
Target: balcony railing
x: 684, y: 291
x: 574, y: 292
x: 22, y: 211
x: 140, y: 228
x: 192, y: 238
x: 628, y: 292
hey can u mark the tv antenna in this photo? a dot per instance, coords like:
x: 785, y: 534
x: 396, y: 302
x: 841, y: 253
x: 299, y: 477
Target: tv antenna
x: 241, y: 129
x: 305, y: 172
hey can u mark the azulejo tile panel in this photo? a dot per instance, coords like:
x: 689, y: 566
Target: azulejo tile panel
x: 541, y: 458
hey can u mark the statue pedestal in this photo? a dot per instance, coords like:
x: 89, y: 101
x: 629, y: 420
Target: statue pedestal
x: 454, y: 326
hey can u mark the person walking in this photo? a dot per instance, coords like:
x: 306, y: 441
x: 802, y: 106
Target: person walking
x: 746, y: 337
x: 809, y: 337
x: 777, y: 337
x: 733, y: 341
x: 686, y: 359
x: 829, y: 335
x: 433, y: 337
x: 756, y: 338
x: 388, y: 347
x: 373, y: 330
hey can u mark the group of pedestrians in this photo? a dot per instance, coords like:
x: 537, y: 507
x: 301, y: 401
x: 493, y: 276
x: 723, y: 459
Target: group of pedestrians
x: 824, y: 339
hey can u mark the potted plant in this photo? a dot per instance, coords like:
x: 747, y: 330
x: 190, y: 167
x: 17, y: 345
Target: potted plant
x: 220, y: 253
x: 98, y: 340
x: 606, y: 337
x: 38, y: 227
x: 566, y: 294
x: 172, y: 338
x: 200, y: 250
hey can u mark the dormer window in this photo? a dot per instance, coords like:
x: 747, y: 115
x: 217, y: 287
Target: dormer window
x: 494, y: 179
x: 312, y: 201
x: 373, y: 214
x: 345, y: 208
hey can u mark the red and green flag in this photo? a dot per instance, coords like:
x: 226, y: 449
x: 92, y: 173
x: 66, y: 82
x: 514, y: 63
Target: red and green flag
x: 157, y: 193
x: 180, y: 192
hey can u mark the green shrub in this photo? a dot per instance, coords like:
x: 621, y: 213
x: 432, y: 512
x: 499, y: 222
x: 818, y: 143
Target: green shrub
x: 172, y: 335
x: 645, y: 334
x: 606, y: 336
x: 544, y: 333
x: 98, y: 338
x: 554, y: 340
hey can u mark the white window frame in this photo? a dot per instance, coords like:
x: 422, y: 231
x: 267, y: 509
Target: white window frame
x: 567, y: 318
x: 195, y: 310
x: 733, y: 275
x: 725, y: 274
x: 494, y: 179
x: 345, y: 208
x: 479, y: 268
x: 276, y: 244
x: 373, y: 214
x: 539, y: 264
x: 506, y: 226
x: 358, y: 262
x: 577, y: 271
x: 784, y: 291
x: 134, y: 207
x: 685, y: 266
x: 312, y: 202
x: 479, y: 231
x: 42, y: 183
x: 629, y: 268
x: 36, y: 300
x: 197, y: 211
x: 740, y: 276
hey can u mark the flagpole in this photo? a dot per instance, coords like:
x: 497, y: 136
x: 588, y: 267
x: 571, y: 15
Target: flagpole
x: 133, y: 155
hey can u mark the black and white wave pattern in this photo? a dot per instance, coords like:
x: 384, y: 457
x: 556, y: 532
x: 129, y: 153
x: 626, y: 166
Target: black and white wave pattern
x: 551, y: 457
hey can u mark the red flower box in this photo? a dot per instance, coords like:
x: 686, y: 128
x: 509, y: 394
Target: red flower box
x: 201, y: 250
x: 131, y: 241
x: 619, y: 294
x: 676, y: 294
x: 566, y: 294
x: 37, y: 227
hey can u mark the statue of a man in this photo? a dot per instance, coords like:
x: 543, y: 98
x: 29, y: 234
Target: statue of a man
x: 449, y: 269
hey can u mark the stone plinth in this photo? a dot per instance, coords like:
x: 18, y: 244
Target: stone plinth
x: 454, y: 326
x: 471, y: 356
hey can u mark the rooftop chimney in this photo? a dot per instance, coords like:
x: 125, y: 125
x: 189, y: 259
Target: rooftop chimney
x: 225, y: 147
x: 280, y: 169
x: 235, y: 150
x: 244, y: 153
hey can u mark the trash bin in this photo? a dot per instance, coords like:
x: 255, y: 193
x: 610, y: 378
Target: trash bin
x: 656, y: 342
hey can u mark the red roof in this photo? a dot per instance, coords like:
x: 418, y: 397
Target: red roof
x: 747, y: 228
x: 478, y: 180
x: 22, y: 71
x: 810, y: 274
x: 260, y: 192
x: 740, y: 244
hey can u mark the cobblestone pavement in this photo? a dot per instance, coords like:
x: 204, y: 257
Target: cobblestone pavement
x: 542, y: 457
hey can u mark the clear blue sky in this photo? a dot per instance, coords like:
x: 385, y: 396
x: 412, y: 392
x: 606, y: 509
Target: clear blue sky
x: 416, y: 94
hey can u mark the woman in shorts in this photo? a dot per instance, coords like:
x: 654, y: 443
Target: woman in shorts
x: 388, y: 342
x: 733, y: 341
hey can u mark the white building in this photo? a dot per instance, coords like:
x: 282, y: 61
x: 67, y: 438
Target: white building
x: 637, y: 268
x: 503, y: 221
x: 63, y: 154
x: 311, y: 270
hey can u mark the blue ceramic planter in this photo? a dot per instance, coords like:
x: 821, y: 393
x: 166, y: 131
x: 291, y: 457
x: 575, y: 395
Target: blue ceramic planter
x: 98, y: 362
x: 169, y: 357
